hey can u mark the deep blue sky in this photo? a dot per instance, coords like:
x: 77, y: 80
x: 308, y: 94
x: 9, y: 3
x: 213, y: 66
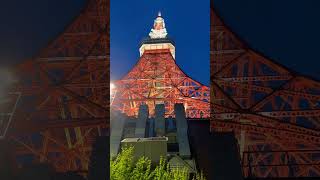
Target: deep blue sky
x: 286, y: 30
x: 187, y: 22
x: 28, y: 26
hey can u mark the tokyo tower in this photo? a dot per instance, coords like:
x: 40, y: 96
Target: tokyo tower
x: 157, y: 79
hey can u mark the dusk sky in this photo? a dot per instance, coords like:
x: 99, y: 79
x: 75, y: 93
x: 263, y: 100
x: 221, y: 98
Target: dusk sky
x: 187, y: 24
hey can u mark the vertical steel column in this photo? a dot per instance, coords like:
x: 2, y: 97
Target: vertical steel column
x: 182, y: 131
x: 141, y: 121
x: 160, y: 127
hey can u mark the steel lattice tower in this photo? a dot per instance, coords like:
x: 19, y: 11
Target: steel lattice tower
x: 157, y: 79
x: 273, y: 111
x: 64, y: 102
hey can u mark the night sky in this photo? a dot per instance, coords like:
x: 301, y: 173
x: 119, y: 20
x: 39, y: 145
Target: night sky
x: 187, y: 24
x: 27, y: 26
x: 285, y: 30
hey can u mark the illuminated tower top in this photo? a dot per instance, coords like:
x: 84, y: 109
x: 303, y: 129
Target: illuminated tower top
x: 158, y: 38
x: 159, y: 28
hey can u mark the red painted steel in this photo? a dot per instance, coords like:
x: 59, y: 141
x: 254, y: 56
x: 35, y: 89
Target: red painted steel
x: 64, y: 90
x: 274, y: 112
x: 156, y: 78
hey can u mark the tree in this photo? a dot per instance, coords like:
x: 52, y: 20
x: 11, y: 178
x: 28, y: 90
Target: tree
x: 125, y: 167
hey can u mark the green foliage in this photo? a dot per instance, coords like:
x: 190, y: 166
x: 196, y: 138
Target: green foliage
x: 180, y: 174
x: 124, y: 167
x: 142, y: 170
x: 162, y: 171
x: 199, y: 176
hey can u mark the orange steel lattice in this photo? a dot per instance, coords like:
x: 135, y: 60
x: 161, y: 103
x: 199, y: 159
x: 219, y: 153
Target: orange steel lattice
x: 157, y: 79
x: 64, y: 101
x: 274, y: 112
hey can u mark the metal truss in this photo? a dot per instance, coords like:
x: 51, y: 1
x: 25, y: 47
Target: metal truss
x: 157, y: 79
x: 274, y: 112
x: 64, y: 101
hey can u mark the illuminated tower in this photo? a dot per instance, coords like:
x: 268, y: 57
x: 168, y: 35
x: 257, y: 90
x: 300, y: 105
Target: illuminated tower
x: 157, y: 79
